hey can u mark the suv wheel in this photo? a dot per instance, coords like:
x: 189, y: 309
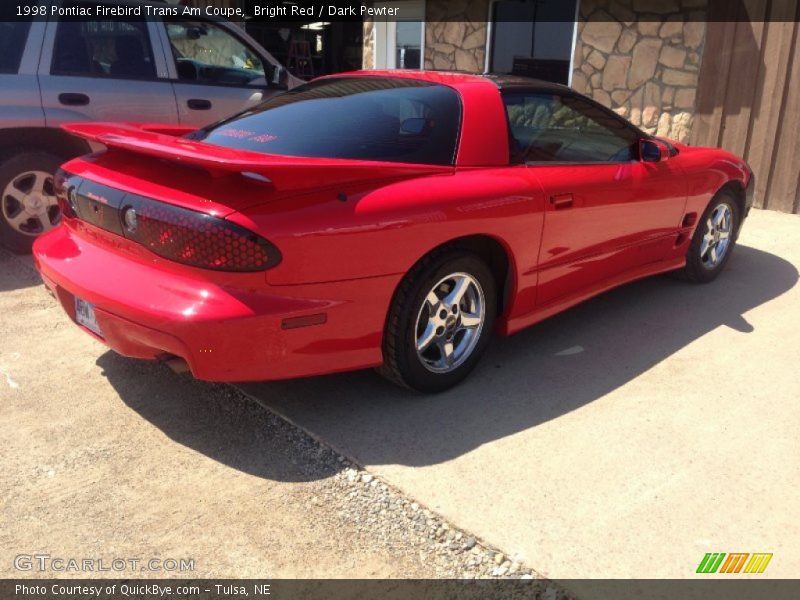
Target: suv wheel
x: 28, y: 205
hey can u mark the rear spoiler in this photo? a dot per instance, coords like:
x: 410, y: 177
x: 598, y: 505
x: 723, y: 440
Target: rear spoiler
x: 283, y: 172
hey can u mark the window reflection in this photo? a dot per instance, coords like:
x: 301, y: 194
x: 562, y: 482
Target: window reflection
x: 533, y: 38
x: 409, y: 45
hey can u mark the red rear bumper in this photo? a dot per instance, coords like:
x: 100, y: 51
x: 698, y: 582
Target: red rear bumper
x: 227, y: 327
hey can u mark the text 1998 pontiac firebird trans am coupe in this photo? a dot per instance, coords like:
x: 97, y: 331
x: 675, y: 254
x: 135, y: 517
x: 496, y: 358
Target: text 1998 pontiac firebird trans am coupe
x: 376, y: 219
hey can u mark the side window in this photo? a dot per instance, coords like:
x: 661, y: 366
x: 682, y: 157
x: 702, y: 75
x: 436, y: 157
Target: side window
x: 12, y: 43
x: 207, y: 53
x: 554, y: 128
x: 114, y: 49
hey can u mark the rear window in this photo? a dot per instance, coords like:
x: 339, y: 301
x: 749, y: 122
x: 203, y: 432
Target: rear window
x: 12, y: 43
x: 367, y: 118
x: 115, y: 49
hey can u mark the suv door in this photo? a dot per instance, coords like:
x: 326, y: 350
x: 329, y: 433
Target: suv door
x: 106, y: 71
x: 217, y: 70
x: 19, y: 55
x: 28, y: 205
x: 607, y: 212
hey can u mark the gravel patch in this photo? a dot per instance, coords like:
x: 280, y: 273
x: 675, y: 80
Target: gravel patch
x: 390, y: 519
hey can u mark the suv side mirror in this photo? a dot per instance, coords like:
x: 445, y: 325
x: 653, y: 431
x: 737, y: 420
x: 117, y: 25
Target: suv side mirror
x: 651, y: 150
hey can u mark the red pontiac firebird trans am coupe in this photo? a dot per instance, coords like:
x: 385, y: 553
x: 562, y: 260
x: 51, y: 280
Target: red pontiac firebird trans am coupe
x: 376, y: 219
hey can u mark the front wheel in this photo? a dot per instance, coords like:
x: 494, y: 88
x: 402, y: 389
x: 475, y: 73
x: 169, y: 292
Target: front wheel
x: 713, y: 240
x: 440, y: 321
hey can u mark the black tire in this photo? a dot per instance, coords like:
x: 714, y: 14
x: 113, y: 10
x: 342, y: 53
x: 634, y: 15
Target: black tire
x: 401, y: 362
x: 10, y: 169
x: 698, y: 270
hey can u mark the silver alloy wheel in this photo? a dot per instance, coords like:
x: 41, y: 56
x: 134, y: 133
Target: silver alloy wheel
x: 450, y: 322
x: 29, y: 203
x: 717, y: 236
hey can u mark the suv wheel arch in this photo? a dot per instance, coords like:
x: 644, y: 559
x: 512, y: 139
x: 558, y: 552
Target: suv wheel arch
x: 25, y: 139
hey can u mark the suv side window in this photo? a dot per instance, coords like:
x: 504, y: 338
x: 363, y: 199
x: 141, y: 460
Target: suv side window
x: 113, y: 49
x: 206, y: 53
x: 551, y: 127
x: 12, y: 42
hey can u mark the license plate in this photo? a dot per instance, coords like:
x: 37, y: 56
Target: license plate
x: 84, y: 315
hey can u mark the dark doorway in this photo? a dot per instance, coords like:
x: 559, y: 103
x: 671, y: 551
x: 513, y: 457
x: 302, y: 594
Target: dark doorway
x: 533, y: 38
x: 311, y: 49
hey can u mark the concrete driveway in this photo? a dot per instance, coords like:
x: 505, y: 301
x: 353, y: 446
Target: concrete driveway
x: 624, y: 438
x: 105, y: 459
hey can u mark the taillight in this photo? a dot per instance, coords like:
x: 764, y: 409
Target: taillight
x: 63, y: 191
x: 195, y: 238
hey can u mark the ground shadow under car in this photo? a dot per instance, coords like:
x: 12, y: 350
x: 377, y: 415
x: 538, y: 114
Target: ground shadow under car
x: 17, y: 271
x: 221, y: 425
x: 546, y: 371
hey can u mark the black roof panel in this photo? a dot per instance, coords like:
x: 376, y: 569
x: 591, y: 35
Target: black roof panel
x: 516, y: 81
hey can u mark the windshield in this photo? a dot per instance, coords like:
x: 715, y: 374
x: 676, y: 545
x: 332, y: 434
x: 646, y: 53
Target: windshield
x: 368, y: 118
x: 206, y: 53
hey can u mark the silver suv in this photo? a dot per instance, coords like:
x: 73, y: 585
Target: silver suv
x: 178, y: 71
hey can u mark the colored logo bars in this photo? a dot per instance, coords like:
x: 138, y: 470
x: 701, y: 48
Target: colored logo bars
x: 734, y: 563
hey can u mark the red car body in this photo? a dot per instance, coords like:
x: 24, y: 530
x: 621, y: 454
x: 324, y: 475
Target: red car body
x: 349, y: 230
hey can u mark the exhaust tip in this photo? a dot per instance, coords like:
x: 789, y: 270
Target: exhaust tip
x: 175, y: 363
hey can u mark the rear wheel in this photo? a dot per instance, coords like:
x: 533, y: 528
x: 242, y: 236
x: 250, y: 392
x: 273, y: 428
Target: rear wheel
x: 713, y: 240
x: 28, y: 204
x: 440, y: 321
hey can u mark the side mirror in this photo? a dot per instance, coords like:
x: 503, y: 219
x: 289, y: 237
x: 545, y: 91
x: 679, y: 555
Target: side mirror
x: 279, y: 76
x: 653, y: 150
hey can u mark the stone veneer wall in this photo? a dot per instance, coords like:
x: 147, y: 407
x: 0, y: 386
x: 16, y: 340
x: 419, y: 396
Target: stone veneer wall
x: 639, y: 57
x: 642, y: 59
x: 460, y: 41
x: 455, y: 36
x: 368, y: 45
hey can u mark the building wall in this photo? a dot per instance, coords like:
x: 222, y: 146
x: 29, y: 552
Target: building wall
x: 642, y: 59
x: 748, y: 100
x: 460, y: 41
x: 639, y: 57
x: 368, y: 48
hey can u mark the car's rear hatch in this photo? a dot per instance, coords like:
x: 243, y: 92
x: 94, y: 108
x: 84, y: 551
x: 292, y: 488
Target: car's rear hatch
x: 153, y: 161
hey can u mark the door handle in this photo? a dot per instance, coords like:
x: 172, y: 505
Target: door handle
x: 71, y: 99
x: 198, y: 104
x: 561, y: 200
